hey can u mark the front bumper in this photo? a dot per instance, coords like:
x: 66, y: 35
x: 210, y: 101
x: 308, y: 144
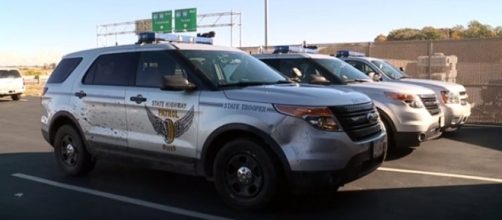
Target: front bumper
x: 456, y: 115
x: 318, y: 158
x: 359, y: 165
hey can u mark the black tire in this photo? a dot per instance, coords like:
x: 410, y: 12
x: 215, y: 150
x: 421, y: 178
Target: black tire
x: 71, y: 153
x: 16, y: 97
x: 391, y: 141
x: 248, y: 191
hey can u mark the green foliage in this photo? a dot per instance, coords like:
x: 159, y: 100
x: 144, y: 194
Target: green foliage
x: 33, y: 71
x: 405, y: 34
x: 380, y: 38
x: 474, y: 30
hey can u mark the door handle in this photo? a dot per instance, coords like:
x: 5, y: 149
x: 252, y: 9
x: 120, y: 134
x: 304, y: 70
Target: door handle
x: 138, y: 99
x: 80, y: 94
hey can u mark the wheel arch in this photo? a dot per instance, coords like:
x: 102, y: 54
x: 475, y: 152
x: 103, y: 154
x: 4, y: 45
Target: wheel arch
x: 228, y: 132
x: 60, y: 119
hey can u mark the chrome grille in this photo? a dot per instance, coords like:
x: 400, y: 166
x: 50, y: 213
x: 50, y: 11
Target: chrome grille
x: 431, y: 104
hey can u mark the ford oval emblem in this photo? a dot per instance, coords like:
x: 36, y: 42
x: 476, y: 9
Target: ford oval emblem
x: 372, y: 116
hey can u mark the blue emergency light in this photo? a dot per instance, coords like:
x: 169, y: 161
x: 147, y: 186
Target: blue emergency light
x: 348, y: 53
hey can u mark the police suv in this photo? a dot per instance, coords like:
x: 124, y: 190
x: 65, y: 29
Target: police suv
x: 211, y: 111
x: 453, y: 97
x: 410, y: 113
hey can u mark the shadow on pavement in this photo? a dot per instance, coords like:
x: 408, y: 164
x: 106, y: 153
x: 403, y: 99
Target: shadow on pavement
x: 479, y: 201
x: 395, y: 154
x: 484, y: 136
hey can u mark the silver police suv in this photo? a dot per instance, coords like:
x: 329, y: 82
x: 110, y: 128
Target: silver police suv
x: 453, y: 96
x: 410, y: 113
x: 210, y: 111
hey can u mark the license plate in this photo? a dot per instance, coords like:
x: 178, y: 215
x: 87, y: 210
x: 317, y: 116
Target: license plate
x: 378, y: 148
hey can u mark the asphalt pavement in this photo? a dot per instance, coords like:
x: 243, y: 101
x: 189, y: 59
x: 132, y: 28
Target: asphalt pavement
x: 458, y: 176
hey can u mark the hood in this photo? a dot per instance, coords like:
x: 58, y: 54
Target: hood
x: 294, y: 94
x: 435, y: 84
x: 371, y: 87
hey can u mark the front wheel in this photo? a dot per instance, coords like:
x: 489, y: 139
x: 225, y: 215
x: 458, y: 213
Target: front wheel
x: 245, y: 175
x: 71, y: 154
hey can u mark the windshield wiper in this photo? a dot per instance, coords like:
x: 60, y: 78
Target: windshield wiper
x: 244, y: 84
x: 356, y: 80
x: 284, y: 82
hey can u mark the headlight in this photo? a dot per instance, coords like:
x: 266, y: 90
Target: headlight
x: 411, y: 100
x: 450, y: 97
x: 319, y: 117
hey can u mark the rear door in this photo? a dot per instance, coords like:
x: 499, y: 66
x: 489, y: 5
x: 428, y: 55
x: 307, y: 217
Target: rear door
x: 99, y: 100
x: 161, y: 123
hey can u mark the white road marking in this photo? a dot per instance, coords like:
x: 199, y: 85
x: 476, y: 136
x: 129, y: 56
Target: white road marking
x: 125, y: 199
x: 441, y: 174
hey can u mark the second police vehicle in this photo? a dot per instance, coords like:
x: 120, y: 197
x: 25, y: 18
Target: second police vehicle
x: 209, y: 111
x: 410, y: 113
x: 453, y: 96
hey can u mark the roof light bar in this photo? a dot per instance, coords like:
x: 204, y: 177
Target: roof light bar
x: 151, y: 37
x: 295, y: 49
x: 348, y: 53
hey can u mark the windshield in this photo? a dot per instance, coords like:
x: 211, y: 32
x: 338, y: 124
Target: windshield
x: 344, y: 71
x: 9, y: 74
x: 226, y: 68
x: 389, y: 70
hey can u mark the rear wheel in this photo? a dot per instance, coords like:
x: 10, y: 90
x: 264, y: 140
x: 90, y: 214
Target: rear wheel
x: 71, y: 154
x: 245, y: 175
x: 16, y: 97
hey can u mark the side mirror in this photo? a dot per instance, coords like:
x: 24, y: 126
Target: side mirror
x: 401, y: 69
x: 176, y: 83
x: 317, y: 79
x: 375, y: 76
x: 296, y: 74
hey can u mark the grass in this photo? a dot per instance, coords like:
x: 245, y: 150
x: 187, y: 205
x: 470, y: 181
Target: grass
x: 33, y: 90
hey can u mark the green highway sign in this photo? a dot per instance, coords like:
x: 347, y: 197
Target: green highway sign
x: 162, y: 21
x: 185, y: 20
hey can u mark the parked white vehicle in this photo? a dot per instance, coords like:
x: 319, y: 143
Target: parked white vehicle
x: 11, y: 83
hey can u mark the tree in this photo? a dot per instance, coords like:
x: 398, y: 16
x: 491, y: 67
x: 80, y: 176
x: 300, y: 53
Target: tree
x: 405, y: 34
x: 431, y: 33
x: 476, y: 30
x: 498, y: 31
x: 380, y: 38
x: 457, y: 32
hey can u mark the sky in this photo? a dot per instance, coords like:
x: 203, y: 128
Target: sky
x: 39, y: 32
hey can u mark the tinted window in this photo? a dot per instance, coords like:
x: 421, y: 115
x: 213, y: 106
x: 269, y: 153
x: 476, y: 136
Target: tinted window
x: 361, y: 67
x: 307, y: 68
x: 9, y: 74
x: 153, y: 66
x: 63, y: 70
x: 113, y: 69
x: 389, y: 70
x: 342, y: 70
x: 226, y: 68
